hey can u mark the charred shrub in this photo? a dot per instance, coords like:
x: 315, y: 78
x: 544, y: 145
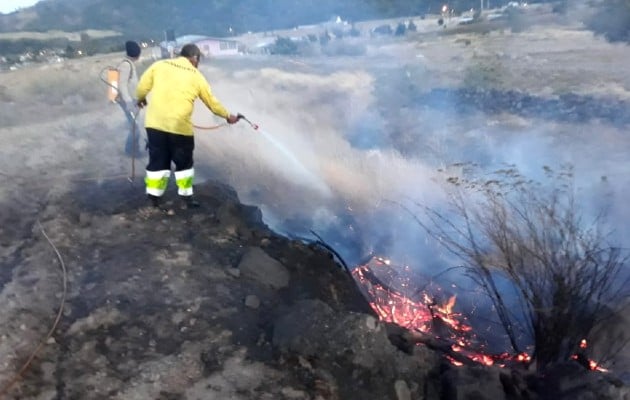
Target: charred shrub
x: 558, y: 261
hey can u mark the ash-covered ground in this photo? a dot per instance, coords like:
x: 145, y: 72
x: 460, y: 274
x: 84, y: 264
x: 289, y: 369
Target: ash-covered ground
x: 220, y: 303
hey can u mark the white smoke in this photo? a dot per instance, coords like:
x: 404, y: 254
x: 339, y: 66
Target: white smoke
x: 343, y: 154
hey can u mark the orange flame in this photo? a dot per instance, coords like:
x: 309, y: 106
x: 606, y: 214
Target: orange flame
x: 425, y: 315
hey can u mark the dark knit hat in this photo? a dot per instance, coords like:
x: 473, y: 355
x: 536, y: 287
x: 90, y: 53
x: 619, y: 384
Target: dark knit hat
x: 190, y: 50
x: 133, y: 49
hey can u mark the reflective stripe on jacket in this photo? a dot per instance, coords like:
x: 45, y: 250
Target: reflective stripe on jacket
x: 174, y: 85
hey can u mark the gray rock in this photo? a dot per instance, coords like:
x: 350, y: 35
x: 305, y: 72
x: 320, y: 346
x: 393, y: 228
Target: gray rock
x: 402, y: 390
x: 257, y: 265
x: 479, y: 383
x: 362, y: 355
x: 252, y: 301
x: 235, y: 272
x: 371, y: 323
x: 85, y: 219
x: 301, y: 336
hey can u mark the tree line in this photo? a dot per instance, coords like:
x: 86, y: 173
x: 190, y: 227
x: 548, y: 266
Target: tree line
x: 219, y: 17
x: 146, y: 20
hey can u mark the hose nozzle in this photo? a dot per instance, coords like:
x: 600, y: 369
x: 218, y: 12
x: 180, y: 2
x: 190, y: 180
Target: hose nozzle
x: 241, y: 116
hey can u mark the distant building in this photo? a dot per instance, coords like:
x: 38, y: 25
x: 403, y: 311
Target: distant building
x: 217, y: 47
x: 209, y: 46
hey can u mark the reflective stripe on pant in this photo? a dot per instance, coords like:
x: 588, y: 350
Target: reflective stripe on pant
x: 166, y: 148
x: 184, y: 181
x: 156, y: 182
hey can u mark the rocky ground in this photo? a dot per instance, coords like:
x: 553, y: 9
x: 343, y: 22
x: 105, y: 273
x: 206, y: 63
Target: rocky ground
x: 207, y: 304
x: 213, y: 303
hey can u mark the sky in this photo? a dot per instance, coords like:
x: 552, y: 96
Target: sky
x: 8, y: 6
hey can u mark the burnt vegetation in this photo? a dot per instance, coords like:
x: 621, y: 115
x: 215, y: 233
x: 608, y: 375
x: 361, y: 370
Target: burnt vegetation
x: 550, y: 272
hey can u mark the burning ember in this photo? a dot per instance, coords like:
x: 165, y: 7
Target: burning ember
x: 592, y: 365
x: 429, y: 311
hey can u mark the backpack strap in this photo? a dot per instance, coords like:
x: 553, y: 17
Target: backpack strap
x: 126, y: 60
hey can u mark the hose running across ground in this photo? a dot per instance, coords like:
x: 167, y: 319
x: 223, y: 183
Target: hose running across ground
x: 7, y: 387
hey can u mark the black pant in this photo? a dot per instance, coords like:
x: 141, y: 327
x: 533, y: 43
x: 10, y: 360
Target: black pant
x: 165, y: 148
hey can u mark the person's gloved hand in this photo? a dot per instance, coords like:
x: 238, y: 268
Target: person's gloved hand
x: 141, y: 103
x: 232, y: 119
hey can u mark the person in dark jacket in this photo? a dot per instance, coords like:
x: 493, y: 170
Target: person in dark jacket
x: 127, y: 82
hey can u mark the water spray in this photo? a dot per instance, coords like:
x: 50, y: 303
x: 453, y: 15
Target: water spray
x: 306, y: 174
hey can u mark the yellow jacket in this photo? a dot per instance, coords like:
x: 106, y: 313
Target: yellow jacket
x: 174, y: 85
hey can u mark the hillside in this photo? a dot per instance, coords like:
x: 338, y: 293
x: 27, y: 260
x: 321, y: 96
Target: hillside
x: 148, y: 19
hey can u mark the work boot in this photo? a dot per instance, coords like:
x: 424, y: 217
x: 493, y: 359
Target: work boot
x: 155, y: 200
x: 189, y: 202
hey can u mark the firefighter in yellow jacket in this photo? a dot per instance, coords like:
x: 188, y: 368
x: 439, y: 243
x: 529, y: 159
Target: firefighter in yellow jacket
x: 174, y: 85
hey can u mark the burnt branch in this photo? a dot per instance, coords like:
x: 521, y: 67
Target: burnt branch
x: 406, y: 339
x: 320, y: 242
